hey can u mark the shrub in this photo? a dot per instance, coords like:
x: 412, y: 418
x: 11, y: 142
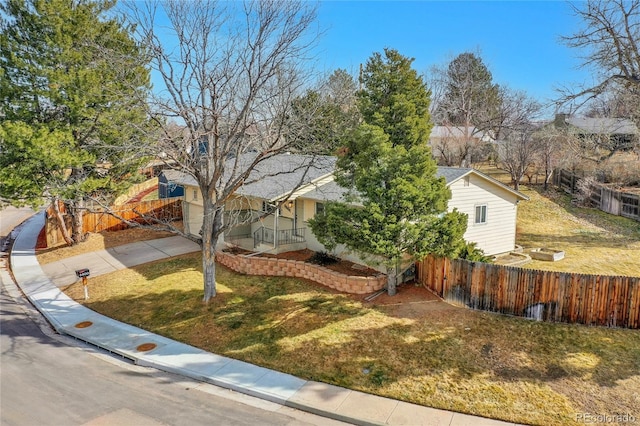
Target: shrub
x: 322, y: 258
x: 474, y: 254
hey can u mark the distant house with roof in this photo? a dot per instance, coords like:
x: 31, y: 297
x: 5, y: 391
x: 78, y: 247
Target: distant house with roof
x: 301, y: 191
x: 618, y: 134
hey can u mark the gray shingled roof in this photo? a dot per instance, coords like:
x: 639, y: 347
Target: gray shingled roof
x: 276, y: 176
x: 608, y: 126
x: 328, y: 192
x: 279, y: 175
x: 451, y: 174
x: 174, y: 175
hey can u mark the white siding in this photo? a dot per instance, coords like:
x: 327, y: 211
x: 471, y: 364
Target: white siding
x: 193, y: 218
x: 498, y: 234
x: 192, y: 195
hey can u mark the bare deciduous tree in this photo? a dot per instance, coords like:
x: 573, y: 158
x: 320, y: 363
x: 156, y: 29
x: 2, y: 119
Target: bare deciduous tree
x: 466, y: 98
x: 453, y: 146
x: 551, y: 143
x: 517, y: 152
x: 230, y: 71
x: 516, y: 110
x: 610, y: 38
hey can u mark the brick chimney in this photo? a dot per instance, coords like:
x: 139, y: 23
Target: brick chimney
x: 561, y: 120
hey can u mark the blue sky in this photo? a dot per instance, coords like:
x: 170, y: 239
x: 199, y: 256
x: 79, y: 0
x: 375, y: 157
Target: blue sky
x: 517, y: 40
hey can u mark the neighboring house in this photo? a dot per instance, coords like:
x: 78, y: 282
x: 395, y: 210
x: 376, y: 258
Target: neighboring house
x: 301, y: 193
x: 617, y: 133
x: 167, y: 185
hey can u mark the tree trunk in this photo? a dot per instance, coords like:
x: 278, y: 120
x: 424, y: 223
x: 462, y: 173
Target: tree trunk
x: 61, y: 223
x: 547, y: 178
x: 211, y: 229
x: 209, y: 270
x: 77, y: 212
x: 392, y: 280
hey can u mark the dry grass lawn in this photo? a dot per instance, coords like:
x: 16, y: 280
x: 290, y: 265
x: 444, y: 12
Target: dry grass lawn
x: 594, y: 242
x: 422, y: 351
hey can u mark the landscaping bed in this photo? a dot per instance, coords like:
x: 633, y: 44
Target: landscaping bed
x: 314, y: 269
x: 335, y: 264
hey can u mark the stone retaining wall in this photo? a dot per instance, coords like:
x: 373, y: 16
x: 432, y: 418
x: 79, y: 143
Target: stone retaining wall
x: 269, y: 266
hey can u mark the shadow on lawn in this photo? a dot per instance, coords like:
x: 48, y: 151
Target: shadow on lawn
x: 330, y: 337
x: 303, y: 329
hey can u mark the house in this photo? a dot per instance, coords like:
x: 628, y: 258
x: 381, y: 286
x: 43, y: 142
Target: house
x: 617, y: 134
x: 167, y: 186
x: 283, y: 193
x: 490, y: 205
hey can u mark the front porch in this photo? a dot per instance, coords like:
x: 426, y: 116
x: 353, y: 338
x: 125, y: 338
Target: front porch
x: 256, y: 237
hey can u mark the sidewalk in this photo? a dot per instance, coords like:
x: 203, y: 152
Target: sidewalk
x: 40, y: 284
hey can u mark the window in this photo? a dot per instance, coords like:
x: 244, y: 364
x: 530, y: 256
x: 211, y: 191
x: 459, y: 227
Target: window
x: 481, y: 214
x: 319, y: 208
x: 267, y: 207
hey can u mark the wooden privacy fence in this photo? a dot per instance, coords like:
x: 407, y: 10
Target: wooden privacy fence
x: 135, y: 190
x: 606, y: 199
x: 542, y: 295
x: 98, y: 221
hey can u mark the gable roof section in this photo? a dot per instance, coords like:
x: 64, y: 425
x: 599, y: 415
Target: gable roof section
x: 280, y: 175
x: 453, y: 174
x: 172, y: 175
x: 333, y: 192
x: 330, y: 191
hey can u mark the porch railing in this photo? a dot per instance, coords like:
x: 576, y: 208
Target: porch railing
x: 285, y: 236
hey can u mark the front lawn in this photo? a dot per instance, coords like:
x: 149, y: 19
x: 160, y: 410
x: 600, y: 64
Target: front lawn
x: 421, y: 351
